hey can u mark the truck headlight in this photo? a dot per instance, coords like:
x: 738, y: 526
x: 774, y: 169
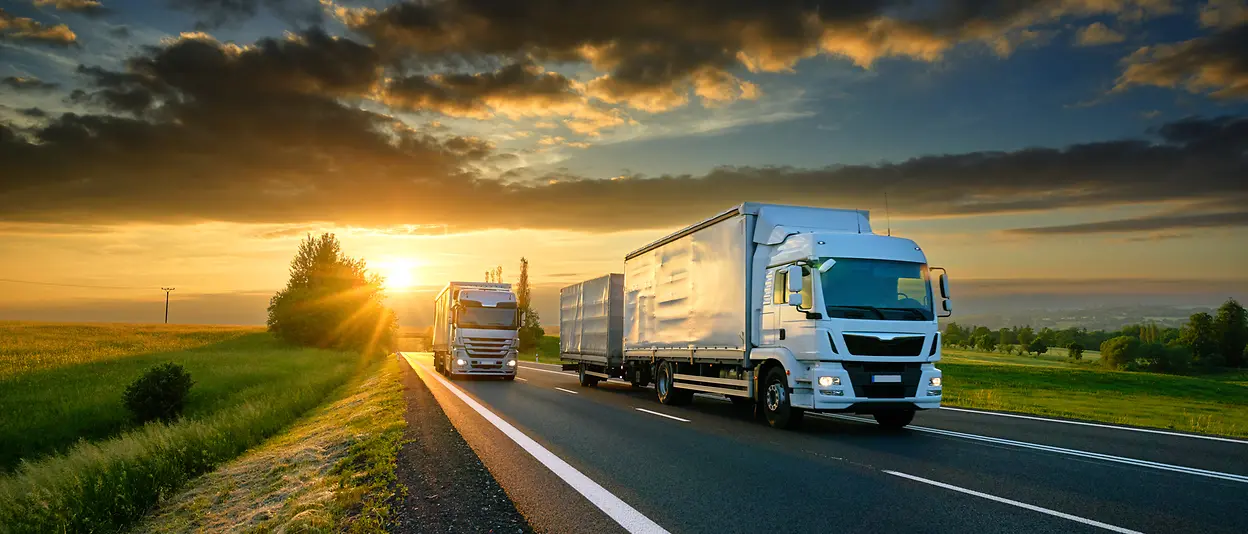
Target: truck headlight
x: 511, y: 363
x: 934, y: 382
x: 460, y: 362
x: 827, y: 381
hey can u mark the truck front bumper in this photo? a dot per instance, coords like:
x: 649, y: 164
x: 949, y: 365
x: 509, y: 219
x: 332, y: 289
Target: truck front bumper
x: 485, y: 367
x: 865, y: 397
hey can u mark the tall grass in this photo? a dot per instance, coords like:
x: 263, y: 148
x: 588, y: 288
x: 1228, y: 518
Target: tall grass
x: 248, y: 388
x: 44, y: 412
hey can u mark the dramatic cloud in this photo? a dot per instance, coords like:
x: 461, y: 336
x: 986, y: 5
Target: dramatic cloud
x: 1216, y: 64
x: 654, y: 55
x: 90, y: 7
x: 1146, y: 224
x: 21, y: 83
x: 517, y: 89
x: 1224, y: 13
x: 1097, y: 34
x: 14, y: 28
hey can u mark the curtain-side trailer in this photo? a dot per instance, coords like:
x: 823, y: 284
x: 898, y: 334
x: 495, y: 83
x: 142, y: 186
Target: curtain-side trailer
x: 787, y: 308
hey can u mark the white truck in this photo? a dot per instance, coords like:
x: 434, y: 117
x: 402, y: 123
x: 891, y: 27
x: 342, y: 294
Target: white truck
x: 787, y: 309
x: 475, y: 330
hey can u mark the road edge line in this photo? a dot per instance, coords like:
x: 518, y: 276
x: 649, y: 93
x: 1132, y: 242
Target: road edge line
x: 626, y: 516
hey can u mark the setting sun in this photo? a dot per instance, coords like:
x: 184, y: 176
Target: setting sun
x: 400, y: 273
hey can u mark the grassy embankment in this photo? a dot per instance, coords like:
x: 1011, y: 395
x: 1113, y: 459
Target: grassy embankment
x: 74, y: 461
x: 1207, y: 404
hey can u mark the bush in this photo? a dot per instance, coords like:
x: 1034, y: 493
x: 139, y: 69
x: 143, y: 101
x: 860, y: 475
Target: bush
x: 1037, y: 346
x: 159, y: 394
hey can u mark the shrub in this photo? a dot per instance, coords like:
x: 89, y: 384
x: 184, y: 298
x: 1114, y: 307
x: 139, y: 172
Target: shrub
x: 159, y: 394
x: 1038, y: 346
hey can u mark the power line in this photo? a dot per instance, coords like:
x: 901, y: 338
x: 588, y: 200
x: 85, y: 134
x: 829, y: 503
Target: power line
x: 32, y: 282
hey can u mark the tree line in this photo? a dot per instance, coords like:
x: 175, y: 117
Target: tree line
x: 1206, y: 341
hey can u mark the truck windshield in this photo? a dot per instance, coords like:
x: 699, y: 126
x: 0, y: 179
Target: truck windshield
x: 481, y: 317
x: 857, y: 288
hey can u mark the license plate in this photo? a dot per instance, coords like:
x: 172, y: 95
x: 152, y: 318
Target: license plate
x: 886, y: 378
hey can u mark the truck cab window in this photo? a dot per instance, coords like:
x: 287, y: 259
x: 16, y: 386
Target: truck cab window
x: 808, y: 290
x: 780, y: 288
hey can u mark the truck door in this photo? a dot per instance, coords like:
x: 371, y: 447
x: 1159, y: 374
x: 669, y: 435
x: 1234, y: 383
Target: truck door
x: 795, y: 330
x: 773, y: 299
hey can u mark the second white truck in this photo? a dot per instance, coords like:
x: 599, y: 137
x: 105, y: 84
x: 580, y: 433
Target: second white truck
x: 789, y: 309
x: 475, y: 330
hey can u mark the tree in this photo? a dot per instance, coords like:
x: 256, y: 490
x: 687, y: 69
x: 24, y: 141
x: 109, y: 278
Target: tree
x: 986, y: 343
x: 1117, y: 352
x: 1037, y: 346
x: 332, y: 301
x: 955, y: 336
x: 1075, y: 350
x: 1231, y: 328
x: 1199, y: 335
x: 1025, y: 335
x: 531, y: 329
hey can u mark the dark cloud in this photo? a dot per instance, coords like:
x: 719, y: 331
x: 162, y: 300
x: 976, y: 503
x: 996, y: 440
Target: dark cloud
x: 34, y: 113
x: 520, y: 88
x: 86, y: 7
x: 1146, y: 224
x: 217, y: 13
x: 1216, y: 65
x: 654, y: 53
x: 23, y: 29
x: 27, y: 83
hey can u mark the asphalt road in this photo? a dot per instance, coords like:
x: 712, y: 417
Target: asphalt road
x: 709, y: 468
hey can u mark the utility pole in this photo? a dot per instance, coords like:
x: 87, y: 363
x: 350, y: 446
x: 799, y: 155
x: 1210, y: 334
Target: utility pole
x: 167, y: 290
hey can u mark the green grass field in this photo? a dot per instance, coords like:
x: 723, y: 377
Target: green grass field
x: 547, y: 351
x: 85, y: 466
x: 1208, y: 404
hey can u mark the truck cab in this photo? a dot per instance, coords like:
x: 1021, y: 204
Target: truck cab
x: 852, y: 318
x: 476, y: 330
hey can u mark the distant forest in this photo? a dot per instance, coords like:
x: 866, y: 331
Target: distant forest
x: 1205, y: 342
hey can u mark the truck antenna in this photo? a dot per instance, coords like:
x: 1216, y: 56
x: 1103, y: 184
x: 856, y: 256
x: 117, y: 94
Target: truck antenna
x: 887, y: 219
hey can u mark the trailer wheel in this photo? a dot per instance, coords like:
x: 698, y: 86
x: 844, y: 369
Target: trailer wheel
x: 665, y: 386
x: 894, y: 420
x: 587, y: 380
x: 776, y: 406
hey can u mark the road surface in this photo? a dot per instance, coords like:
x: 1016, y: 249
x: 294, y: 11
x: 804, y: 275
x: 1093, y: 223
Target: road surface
x: 612, y: 459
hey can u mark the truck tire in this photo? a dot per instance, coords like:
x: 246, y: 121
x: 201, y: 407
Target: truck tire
x: 587, y: 380
x: 437, y: 363
x: 776, y: 406
x: 665, y: 388
x: 894, y: 420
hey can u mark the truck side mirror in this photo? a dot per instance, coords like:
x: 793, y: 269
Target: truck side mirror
x: 794, y: 280
x: 944, y: 286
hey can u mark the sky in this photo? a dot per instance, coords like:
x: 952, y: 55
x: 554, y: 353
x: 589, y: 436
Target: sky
x: 1038, y: 148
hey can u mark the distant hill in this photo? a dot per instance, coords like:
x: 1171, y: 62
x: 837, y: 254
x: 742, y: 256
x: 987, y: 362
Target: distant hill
x: 1095, y: 318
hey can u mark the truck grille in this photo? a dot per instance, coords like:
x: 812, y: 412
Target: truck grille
x: 487, y: 347
x: 860, y: 374
x: 874, y: 346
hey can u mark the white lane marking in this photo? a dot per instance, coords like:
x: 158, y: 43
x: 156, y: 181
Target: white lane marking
x: 1098, y: 425
x: 1011, y: 502
x: 663, y: 415
x: 522, y: 379
x: 568, y: 391
x: 1061, y: 450
x: 546, y: 364
x: 627, y: 516
x: 565, y: 373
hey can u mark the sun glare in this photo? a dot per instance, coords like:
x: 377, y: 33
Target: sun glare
x: 400, y: 273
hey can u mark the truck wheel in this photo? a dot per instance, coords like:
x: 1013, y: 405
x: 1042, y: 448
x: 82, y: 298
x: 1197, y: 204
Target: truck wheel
x: 665, y: 386
x: 776, y: 406
x: 587, y: 380
x: 894, y: 420
x: 437, y: 364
